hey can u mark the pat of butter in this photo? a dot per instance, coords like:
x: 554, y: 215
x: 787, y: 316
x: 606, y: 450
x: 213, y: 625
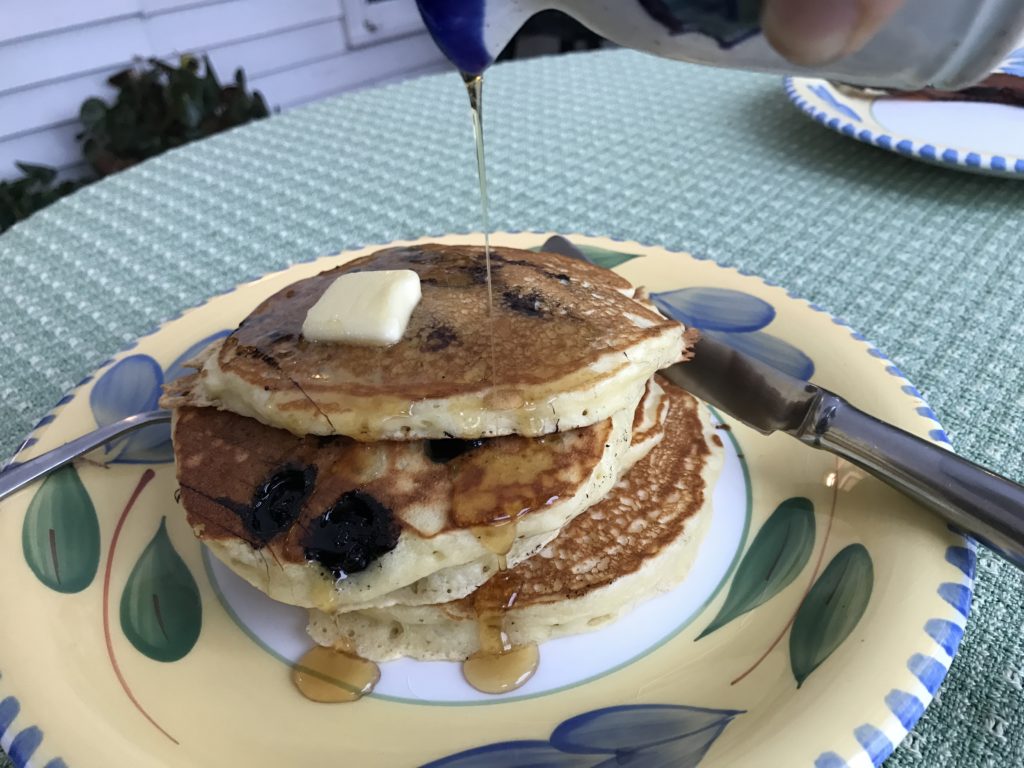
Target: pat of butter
x: 368, y: 308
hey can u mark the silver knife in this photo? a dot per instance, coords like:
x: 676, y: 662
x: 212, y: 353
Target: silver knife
x: 975, y: 500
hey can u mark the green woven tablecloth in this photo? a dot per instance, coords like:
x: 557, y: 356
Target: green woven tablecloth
x: 926, y: 262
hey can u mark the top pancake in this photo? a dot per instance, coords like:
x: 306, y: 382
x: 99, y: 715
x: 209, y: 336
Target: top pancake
x: 565, y: 345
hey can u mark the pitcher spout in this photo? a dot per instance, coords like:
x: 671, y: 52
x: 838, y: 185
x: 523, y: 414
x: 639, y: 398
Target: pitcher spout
x: 471, y: 33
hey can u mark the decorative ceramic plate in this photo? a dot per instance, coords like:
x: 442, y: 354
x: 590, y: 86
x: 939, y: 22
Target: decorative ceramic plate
x: 821, y: 615
x: 967, y: 135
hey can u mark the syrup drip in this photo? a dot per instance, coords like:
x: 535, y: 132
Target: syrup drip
x: 499, y: 666
x: 497, y: 539
x: 502, y: 672
x: 334, y: 676
x: 504, y: 481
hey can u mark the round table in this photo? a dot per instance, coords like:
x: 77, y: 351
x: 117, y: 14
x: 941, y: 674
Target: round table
x: 924, y: 261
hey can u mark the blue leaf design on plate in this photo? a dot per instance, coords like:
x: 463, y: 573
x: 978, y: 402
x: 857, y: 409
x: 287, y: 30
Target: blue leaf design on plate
x: 514, y: 754
x: 771, y: 350
x: 177, y: 369
x: 715, y: 309
x: 129, y: 386
x: 641, y: 736
x: 686, y: 752
x: 132, y: 385
x: 635, y: 727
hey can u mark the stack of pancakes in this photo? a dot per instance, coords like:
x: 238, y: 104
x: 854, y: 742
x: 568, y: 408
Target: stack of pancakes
x: 514, y: 455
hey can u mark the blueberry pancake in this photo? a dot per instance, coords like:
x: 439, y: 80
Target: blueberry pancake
x: 640, y: 540
x: 458, y: 581
x: 334, y: 523
x: 564, y: 344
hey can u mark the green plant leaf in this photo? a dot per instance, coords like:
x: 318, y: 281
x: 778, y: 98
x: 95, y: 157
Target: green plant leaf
x: 778, y: 553
x: 42, y: 174
x: 259, y: 106
x: 121, y: 79
x: 831, y: 610
x: 92, y: 112
x: 161, y: 613
x: 160, y: 106
x: 60, y: 536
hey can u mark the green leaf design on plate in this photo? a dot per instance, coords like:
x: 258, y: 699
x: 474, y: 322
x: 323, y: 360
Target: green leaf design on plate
x: 161, y: 613
x: 605, y: 258
x: 831, y: 610
x: 60, y: 536
x: 778, y: 554
x: 602, y: 257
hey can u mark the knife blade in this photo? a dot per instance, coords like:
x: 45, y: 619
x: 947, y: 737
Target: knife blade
x: 975, y: 500
x: 759, y: 395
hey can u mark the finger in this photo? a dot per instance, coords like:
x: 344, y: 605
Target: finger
x: 814, y: 32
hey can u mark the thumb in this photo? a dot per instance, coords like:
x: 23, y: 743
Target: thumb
x: 813, y: 32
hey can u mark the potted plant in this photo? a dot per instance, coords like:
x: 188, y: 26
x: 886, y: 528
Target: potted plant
x: 159, y: 107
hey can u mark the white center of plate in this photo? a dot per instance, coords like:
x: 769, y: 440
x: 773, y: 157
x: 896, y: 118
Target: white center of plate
x: 996, y: 129
x: 281, y: 629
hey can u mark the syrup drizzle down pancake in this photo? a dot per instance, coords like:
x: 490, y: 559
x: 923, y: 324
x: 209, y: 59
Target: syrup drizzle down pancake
x: 639, y: 540
x: 565, y: 345
x: 507, y: 472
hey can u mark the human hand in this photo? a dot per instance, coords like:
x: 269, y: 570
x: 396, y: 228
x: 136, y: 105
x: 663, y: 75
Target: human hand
x: 813, y: 32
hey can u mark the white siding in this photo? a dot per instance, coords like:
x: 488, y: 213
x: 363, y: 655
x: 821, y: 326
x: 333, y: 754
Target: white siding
x: 279, y: 51
x: 49, y: 104
x: 208, y: 25
x: 56, y: 15
x: 65, y: 53
x: 56, y: 53
x: 357, y: 68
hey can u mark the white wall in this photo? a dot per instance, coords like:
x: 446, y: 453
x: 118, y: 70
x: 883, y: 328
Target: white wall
x: 56, y: 53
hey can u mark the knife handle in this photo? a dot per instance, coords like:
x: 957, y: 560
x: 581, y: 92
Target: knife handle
x: 976, y: 501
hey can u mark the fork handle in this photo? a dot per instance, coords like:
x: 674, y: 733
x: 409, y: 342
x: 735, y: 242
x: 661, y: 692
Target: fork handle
x: 975, y: 500
x: 19, y: 474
